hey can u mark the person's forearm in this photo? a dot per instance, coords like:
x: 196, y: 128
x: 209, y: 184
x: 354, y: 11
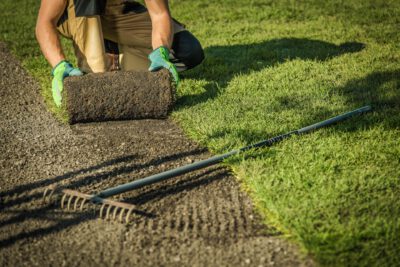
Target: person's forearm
x: 46, y: 30
x: 49, y: 42
x: 162, y: 32
x: 162, y: 27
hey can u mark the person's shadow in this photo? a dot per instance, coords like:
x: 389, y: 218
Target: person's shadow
x: 222, y: 63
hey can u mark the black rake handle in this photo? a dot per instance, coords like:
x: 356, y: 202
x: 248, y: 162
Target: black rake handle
x: 219, y: 158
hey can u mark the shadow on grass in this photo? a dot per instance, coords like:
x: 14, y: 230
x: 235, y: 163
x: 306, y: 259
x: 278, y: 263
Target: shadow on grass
x: 224, y: 62
x: 380, y: 90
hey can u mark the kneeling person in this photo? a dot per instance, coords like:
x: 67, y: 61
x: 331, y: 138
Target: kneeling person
x: 114, y: 34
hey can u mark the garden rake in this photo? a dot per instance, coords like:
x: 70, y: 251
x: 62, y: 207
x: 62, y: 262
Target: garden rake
x: 110, y: 209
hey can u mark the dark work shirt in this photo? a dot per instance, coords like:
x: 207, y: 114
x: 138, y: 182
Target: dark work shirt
x: 85, y: 8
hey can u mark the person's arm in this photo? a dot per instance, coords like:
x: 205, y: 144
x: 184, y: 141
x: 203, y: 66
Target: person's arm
x: 161, y: 37
x: 46, y: 30
x: 162, y: 32
x: 47, y: 36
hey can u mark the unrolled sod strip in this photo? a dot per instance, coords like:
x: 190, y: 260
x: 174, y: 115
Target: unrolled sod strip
x: 120, y: 95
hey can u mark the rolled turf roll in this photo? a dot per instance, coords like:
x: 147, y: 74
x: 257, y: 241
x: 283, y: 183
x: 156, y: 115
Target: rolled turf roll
x: 120, y: 95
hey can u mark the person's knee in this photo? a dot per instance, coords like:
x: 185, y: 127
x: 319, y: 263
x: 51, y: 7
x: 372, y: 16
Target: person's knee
x: 187, y: 49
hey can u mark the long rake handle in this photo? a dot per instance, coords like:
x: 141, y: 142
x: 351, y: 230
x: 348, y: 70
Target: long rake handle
x: 219, y: 158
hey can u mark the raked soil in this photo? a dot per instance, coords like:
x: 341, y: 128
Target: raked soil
x: 199, y: 219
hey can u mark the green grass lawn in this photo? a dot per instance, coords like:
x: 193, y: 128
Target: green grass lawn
x: 275, y: 66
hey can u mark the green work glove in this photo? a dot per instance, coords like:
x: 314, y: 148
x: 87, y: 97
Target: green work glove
x: 160, y: 59
x: 59, y: 72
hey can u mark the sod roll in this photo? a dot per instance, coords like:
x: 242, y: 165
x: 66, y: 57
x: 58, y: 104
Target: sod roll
x: 120, y: 95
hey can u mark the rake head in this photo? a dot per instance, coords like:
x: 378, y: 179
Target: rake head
x: 74, y: 200
x: 114, y: 210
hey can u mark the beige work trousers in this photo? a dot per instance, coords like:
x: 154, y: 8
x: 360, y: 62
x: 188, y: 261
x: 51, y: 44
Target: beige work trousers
x: 132, y: 32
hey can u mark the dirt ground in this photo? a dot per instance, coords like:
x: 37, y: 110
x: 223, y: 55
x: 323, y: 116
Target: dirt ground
x: 200, y: 219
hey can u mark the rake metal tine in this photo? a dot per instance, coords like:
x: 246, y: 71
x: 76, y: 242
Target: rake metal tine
x: 121, y: 214
x: 45, y: 193
x: 76, y: 202
x: 51, y: 194
x: 115, y: 212
x: 101, y: 210
x: 108, y: 212
x: 69, y: 202
x: 63, y: 200
x: 82, y: 203
x: 128, y: 215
